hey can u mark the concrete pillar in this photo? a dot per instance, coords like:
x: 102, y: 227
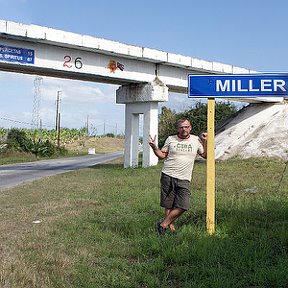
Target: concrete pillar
x: 131, y: 137
x: 150, y: 127
x: 141, y: 99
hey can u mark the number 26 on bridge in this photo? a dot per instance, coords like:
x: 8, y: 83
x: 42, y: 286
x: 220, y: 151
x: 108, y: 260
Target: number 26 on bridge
x: 68, y: 62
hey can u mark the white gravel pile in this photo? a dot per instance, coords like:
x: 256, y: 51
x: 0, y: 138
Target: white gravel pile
x: 259, y: 130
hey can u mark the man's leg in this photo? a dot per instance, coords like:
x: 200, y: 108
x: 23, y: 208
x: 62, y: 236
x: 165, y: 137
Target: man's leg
x: 182, y: 197
x: 171, y: 225
x: 171, y: 217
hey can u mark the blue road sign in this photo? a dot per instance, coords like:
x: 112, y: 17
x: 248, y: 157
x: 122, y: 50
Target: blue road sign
x: 16, y: 54
x: 237, y: 85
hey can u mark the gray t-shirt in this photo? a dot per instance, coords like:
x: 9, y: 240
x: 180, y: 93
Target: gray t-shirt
x: 181, y: 156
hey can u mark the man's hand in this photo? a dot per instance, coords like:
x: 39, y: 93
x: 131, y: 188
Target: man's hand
x: 152, y: 142
x: 203, y: 136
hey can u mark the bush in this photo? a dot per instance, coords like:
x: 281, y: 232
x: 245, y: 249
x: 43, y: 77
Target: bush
x: 3, y: 147
x: 45, y: 149
x: 18, y: 140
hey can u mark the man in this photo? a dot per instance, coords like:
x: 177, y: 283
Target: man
x: 179, y: 153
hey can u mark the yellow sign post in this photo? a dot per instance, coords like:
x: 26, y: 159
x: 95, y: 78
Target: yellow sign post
x: 210, y: 172
x: 229, y: 86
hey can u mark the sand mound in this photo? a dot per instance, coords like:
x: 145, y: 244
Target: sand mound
x: 259, y: 130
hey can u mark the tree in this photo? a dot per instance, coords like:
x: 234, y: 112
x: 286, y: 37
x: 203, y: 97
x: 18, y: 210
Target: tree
x: 197, y: 116
x: 223, y: 111
x: 166, y: 125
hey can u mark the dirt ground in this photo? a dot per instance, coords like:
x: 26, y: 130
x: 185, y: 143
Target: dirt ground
x: 101, y: 145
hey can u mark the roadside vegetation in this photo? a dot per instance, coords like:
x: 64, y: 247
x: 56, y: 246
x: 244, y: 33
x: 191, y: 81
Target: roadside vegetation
x: 25, y: 145
x: 80, y: 230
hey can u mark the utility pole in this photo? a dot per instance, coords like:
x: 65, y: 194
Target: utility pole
x: 41, y: 134
x: 58, y: 131
x: 57, y: 110
x: 87, y: 126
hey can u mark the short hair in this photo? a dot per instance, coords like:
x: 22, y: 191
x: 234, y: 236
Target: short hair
x: 181, y: 121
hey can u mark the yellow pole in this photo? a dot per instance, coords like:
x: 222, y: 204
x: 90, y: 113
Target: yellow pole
x: 210, y: 182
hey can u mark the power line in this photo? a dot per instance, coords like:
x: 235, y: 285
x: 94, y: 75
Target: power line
x: 19, y: 122
x: 15, y: 121
x: 92, y: 126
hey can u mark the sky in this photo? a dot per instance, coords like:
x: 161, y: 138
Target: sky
x: 248, y: 33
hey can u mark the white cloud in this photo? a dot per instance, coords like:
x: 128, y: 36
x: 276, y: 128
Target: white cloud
x: 78, y: 100
x: 178, y: 102
x: 72, y: 91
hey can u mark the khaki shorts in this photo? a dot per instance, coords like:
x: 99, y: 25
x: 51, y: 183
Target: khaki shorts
x: 175, y: 193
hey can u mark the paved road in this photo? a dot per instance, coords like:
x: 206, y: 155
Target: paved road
x: 15, y: 174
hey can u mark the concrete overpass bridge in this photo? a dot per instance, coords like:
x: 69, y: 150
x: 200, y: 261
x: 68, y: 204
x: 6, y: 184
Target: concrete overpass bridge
x: 145, y: 75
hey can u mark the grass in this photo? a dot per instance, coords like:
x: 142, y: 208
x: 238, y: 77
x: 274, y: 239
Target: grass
x: 11, y: 157
x: 97, y: 230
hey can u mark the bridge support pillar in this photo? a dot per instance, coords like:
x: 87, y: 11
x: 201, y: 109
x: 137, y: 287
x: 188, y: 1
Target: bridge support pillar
x: 141, y: 99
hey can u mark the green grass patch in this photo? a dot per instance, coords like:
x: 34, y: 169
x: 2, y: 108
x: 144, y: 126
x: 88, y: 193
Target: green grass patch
x: 97, y: 230
x: 10, y: 157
